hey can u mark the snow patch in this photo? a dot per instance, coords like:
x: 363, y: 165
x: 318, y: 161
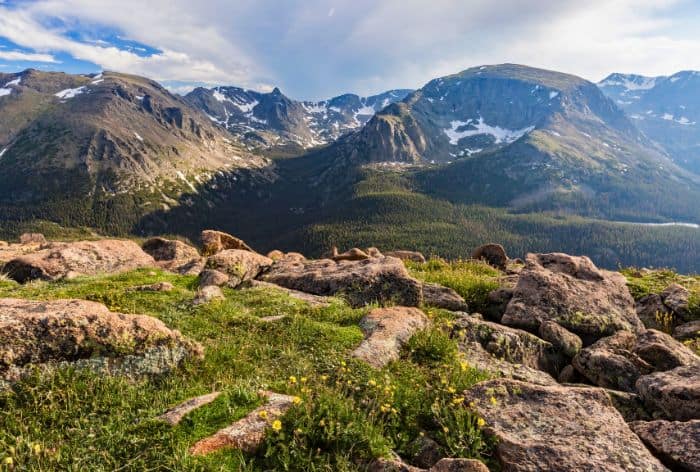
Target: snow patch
x: 182, y: 177
x: 3, y: 152
x: 219, y: 97
x: 14, y: 82
x: 480, y: 127
x: 5, y: 91
x: 247, y: 107
x: 70, y: 93
x: 553, y: 94
x: 631, y: 83
x: 314, y: 108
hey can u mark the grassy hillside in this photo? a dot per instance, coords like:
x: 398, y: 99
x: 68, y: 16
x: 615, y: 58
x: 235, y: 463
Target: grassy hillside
x: 349, y: 413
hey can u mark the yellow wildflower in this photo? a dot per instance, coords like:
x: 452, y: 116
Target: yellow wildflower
x: 372, y: 383
x: 276, y: 425
x: 480, y: 422
x: 37, y: 448
x: 303, y: 380
x: 8, y: 461
x: 451, y: 389
x: 343, y: 363
x: 493, y: 401
x: 262, y: 414
x: 296, y: 400
x: 446, y: 429
x: 457, y: 400
x: 463, y: 365
x: 292, y: 379
x: 324, y: 378
x: 322, y: 423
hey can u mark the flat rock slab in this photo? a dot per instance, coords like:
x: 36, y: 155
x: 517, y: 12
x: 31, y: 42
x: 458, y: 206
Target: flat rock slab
x: 675, y: 394
x: 174, y: 415
x: 382, y: 280
x: 676, y: 443
x: 386, y: 331
x: 311, y: 299
x: 476, y: 356
x: 87, y: 334
x: 248, y: 433
x: 443, y: 297
x: 573, y: 292
x: 55, y: 260
x: 557, y: 428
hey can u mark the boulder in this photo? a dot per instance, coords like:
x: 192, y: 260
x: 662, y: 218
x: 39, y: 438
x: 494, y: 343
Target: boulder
x: 571, y: 291
x: 386, y: 331
x: 239, y: 265
x: 212, y: 277
x: 413, y: 256
x: 295, y: 256
x: 675, y: 297
x: 459, y: 465
x: 382, y: 280
x: 313, y: 300
x: 653, y: 313
x: 275, y: 254
x: 493, y: 254
x: 174, y: 415
x: 663, y: 352
x: 564, y: 341
x: 443, y: 297
x: 32, y: 238
x: 373, y: 252
x: 175, y: 256
x: 248, y: 433
x: 687, y: 331
x: 391, y: 465
x: 428, y: 452
x: 85, y: 334
x: 55, y: 260
x: 216, y: 241
x: 155, y: 287
x: 557, y: 428
x: 676, y: 443
x: 476, y: 356
x: 508, y: 344
x: 610, y: 362
x: 629, y: 405
x: 496, y: 303
x: 674, y: 394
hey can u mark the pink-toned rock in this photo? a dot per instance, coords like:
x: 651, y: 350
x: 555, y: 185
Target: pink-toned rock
x: 175, y: 256
x: 88, y: 334
x: 248, y: 433
x: 573, y: 292
x: 676, y: 443
x: 493, y: 254
x: 239, y: 265
x: 212, y: 277
x: 557, y: 428
x: 55, y: 260
x: 382, y: 280
x: 459, y: 465
x: 214, y: 242
x: 413, y: 256
x: 386, y: 331
x: 32, y: 238
x: 673, y: 394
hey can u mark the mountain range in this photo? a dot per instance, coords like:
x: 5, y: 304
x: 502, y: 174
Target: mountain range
x: 527, y: 156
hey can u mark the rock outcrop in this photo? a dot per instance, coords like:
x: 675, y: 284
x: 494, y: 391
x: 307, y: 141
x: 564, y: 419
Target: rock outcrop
x: 239, y: 265
x: 413, y: 256
x: 55, y: 260
x: 676, y: 443
x: 573, y: 292
x: 443, y: 297
x: 175, y: 256
x: 85, y: 334
x: 386, y: 331
x: 382, y: 280
x: 216, y: 241
x: 557, y: 428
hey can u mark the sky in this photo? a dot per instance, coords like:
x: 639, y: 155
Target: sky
x: 315, y: 49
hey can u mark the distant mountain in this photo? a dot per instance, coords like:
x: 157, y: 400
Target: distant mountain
x: 524, y: 138
x: 95, y: 150
x: 666, y: 109
x: 273, y: 119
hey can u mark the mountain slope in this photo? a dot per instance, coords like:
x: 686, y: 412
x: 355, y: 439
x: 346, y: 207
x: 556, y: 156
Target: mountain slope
x: 273, y: 119
x: 524, y: 138
x: 667, y: 109
x: 99, y: 150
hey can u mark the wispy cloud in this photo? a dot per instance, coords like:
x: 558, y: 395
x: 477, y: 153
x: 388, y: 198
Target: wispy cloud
x: 317, y: 48
x: 26, y: 56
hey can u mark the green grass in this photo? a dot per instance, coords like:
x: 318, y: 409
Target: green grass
x: 351, y: 413
x: 473, y: 280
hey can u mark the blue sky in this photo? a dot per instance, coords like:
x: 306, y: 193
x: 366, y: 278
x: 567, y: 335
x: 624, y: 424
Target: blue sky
x: 319, y: 48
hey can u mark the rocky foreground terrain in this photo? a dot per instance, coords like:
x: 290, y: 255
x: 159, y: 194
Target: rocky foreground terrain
x: 157, y: 354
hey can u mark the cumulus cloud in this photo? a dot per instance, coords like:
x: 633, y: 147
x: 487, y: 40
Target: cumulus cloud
x: 318, y: 48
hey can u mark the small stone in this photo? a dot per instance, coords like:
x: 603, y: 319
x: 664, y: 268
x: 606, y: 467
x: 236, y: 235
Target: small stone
x: 174, y: 415
x: 208, y: 294
x: 156, y: 287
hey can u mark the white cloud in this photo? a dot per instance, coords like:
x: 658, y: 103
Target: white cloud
x: 24, y: 56
x: 316, y: 48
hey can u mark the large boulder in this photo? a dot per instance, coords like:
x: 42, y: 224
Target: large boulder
x: 674, y: 394
x: 386, y: 331
x: 557, y: 428
x: 174, y: 255
x: 675, y: 297
x: 653, y: 313
x: 55, y: 260
x: 509, y: 344
x: 493, y: 254
x: 663, y: 352
x: 477, y: 356
x: 239, y: 265
x: 216, y: 241
x: 676, y: 443
x: 439, y: 296
x: 32, y: 239
x: 563, y: 340
x: 413, y: 256
x: 611, y: 363
x: 687, y: 331
x: 85, y: 334
x: 382, y: 280
x: 573, y: 292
